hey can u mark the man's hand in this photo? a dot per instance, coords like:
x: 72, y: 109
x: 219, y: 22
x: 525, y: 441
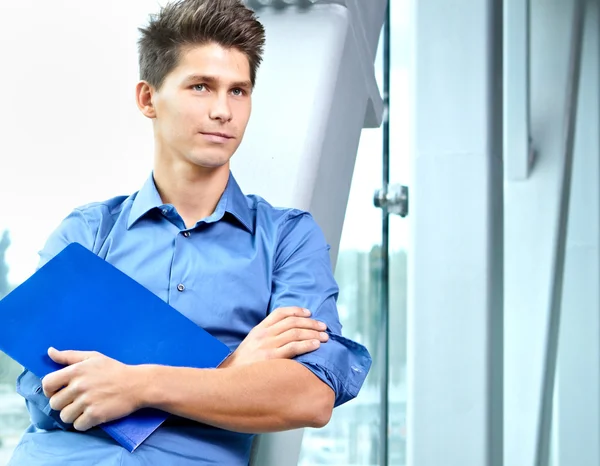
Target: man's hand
x: 92, y: 390
x: 286, y: 333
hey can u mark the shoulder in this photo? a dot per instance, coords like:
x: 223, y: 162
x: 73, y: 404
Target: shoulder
x: 83, y: 225
x: 295, y: 231
x: 84, y: 222
x: 283, y: 218
x: 96, y: 211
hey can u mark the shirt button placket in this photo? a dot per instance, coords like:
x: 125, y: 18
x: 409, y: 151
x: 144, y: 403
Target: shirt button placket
x: 181, y: 286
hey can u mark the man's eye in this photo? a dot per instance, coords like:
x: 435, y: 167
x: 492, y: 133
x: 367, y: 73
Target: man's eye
x: 199, y: 87
x: 237, y: 92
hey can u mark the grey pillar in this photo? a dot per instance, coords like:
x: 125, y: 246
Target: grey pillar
x: 578, y: 392
x: 533, y: 227
x: 456, y: 311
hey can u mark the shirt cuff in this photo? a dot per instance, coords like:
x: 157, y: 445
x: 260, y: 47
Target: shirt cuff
x: 42, y: 415
x: 341, y: 363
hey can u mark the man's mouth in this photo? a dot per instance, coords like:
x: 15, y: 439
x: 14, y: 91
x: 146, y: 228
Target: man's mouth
x: 216, y: 133
x: 216, y: 137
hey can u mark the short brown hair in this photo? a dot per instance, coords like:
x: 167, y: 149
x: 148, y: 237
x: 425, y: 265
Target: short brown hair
x: 228, y: 23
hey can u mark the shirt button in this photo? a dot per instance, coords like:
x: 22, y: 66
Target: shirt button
x: 180, y: 287
x: 186, y: 234
x: 164, y: 211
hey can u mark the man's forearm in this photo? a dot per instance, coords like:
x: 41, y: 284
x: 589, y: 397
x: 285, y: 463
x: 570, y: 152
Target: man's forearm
x: 265, y: 396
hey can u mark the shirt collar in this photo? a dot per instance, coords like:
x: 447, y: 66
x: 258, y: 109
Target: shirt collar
x: 237, y: 204
x: 232, y: 201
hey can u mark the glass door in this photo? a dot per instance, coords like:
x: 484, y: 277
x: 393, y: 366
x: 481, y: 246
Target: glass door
x: 393, y: 200
x: 399, y: 245
x: 372, y: 272
x: 353, y: 436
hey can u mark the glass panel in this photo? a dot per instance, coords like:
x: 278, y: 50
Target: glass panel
x: 352, y: 437
x: 400, y: 172
x: 14, y: 418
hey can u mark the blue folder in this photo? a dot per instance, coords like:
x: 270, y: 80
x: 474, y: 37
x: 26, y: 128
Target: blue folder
x: 78, y: 301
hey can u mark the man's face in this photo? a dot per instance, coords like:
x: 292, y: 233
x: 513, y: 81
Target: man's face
x: 203, y: 106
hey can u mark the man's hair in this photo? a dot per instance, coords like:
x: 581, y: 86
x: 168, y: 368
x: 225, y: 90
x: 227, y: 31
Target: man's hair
x: 187, y: 23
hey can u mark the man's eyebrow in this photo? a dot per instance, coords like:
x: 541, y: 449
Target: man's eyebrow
x: 213, y: 80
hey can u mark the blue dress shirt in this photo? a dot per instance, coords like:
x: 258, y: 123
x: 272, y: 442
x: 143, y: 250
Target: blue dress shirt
x: 226, y: 274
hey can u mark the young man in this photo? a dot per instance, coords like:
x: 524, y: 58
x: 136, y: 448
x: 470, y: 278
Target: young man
x: 243, y: 270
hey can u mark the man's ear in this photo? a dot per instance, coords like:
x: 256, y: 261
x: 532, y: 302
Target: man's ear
x: 144, y: 97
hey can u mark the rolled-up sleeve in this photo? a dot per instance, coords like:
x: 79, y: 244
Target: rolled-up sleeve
x: 303, y: 277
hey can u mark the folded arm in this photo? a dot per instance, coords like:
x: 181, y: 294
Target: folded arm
x: 260, y: 397
x: 257, y: 389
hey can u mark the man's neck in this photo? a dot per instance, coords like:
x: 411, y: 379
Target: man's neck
x: 193, y: 191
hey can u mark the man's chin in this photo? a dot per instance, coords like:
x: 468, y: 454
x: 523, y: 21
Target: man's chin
x: 209, y: 161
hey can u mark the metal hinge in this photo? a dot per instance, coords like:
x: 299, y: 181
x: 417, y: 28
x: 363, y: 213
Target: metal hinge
x: 394, y: 198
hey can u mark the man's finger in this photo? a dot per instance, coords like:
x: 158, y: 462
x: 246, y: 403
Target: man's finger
x: 297, y: 334
x: 297, y: 348
x: 87, y: 420
x: 63, y: 398
x: 67, y: 358
x: 283, y: 313
x: 83, y: 423
x: 71, y: 412
x: 55, y: 381
x: 296, y: 322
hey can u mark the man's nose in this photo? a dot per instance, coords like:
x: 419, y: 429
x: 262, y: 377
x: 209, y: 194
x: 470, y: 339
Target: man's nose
x: 220, y: 109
